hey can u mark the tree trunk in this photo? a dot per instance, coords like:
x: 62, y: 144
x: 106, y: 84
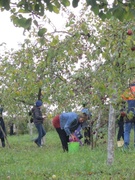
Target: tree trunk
x: 111, y: 135
x: 97, y: 127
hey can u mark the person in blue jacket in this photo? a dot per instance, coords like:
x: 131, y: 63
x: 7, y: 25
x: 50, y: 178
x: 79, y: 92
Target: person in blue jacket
x: 129, y: 119
x: 66, y: 124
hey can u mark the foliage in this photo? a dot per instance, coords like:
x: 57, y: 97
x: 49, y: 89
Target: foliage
x: 48, y: 68
x: 42, y: 163
x: 85, y: 64
x: 106, y: 9
x: 25, y: 13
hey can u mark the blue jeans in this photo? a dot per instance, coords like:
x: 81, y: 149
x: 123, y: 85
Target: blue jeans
x: 41, y: 133
x: 127, y: 130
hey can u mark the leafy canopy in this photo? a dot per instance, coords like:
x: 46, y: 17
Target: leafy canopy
x: 23, y: 12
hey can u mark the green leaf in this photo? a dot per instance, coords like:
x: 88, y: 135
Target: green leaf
x: 91, y: 2
x: 27, y: 24
x: 41, y: 32
x: 57, y: 4
x: 119, y: 12
x: 75, y: 3
x: 129, y: 15
x: 22, y: 22
x: 5, y: 4
x: 23, y: 11
x: 35, y: 22
x: 66, y: 3
x: 102, y: 15
x: 37, y: 7
x: 108, y: 15
x: 41, y: 12
x: 95, y: 9
x: 22, y: 2
x: 94, y: 6
x: 47, y: 1
x: 54, y: 41
x: 55, y: 9
x: 50, y: 7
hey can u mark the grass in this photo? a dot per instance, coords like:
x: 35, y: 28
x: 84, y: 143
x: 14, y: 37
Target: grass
x: 25, y: 161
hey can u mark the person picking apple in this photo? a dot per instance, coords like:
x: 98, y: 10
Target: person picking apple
x: 66, y: 124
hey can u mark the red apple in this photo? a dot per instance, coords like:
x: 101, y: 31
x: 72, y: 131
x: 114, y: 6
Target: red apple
x: 123, y: 114
x: 133, y: 48
x: 129, y: 32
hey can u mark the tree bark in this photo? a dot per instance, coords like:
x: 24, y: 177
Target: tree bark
x: 111, y: 136
x: 98, y: 126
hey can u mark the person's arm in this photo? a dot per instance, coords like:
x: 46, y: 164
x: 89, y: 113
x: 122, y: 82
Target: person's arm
x: 71, y: 119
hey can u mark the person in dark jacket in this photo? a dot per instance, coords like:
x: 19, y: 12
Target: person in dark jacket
x: 120, y: 135
x: 66, y: 124
x: 11, y: 129
x: 2, y: 128
x: 121, y: 126
x: 86, y: 125
x: 129, y: 119
x: 38, y: 121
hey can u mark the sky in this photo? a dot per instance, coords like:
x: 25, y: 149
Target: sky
x: 8, y: 32
x: 13, y: 36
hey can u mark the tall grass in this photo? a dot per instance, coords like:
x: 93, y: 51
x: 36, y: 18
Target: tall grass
x: 25, y: 161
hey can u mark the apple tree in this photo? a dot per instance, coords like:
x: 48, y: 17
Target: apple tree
x: 26, y: 13
x: 103, y: 50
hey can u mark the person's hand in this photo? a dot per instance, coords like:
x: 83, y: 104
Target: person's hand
x: 73, y: 137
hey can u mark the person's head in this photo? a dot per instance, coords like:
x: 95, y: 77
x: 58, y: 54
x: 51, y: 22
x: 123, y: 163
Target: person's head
x: 39, y: 103
x: 86, y: 112
x: 83, y: 117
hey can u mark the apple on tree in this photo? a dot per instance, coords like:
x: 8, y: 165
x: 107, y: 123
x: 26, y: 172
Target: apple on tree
x: 129, y: 32
x: 133, y: 48
x: 123, y: 113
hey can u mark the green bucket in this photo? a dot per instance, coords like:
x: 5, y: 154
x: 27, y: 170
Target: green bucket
x: 73, y: 146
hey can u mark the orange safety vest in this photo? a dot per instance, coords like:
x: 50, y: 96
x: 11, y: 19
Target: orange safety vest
x: 129, y: 94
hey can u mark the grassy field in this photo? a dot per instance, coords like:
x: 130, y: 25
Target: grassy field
x: 24, y: 160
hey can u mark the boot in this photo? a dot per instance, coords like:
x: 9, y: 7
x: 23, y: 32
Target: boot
x: 3, y: 143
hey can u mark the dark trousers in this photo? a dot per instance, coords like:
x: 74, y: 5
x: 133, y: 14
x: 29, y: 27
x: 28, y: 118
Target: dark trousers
x: 11, y: 130
x: 41, y: 133
x: 64, y: 138
x: 120, y: 131
x: 87, y: 134
x: 3, y: 142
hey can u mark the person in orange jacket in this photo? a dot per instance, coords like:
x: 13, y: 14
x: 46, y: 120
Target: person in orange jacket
x: 129, y: 119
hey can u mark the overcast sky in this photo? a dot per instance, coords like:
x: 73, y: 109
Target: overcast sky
x: 8, y: 33
x: 13, y: 36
